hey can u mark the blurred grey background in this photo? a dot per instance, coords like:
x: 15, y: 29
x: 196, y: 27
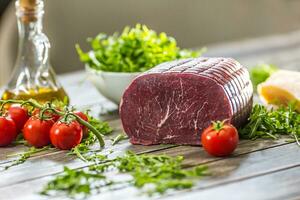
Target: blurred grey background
x: 194, y: 23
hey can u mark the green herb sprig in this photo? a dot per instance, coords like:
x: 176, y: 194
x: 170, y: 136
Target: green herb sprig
x: 134, y: 50
x: 24, y: 156
x: 273, y: 123
x: 119, y: 138
x: 75, y: 183
x: 159, y: 171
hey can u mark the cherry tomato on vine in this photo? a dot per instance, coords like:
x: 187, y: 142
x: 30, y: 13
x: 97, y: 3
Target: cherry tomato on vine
x: 66, y: 135
x: 37, y: 131
x: 220, y: 139
x: 55, y: 117
x: 8, y: 131
x: 19, y: 115
x: 85, y: 118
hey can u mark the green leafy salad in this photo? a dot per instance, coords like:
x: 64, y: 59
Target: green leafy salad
x: 134, y: 50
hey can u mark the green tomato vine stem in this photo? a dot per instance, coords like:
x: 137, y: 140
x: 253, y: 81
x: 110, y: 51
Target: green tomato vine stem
x: 90, y: 127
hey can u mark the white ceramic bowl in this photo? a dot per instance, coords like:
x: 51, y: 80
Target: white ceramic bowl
x: 110, y: 84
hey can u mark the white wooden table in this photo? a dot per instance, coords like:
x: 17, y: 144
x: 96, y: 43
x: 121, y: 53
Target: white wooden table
x: 261, y: 169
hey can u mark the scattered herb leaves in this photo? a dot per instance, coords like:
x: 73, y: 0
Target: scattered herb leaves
x: 75, y: 182
x: 25, y: 155
x: 159, y: 171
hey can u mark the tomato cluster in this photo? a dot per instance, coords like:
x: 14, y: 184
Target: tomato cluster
x: 39, y: 131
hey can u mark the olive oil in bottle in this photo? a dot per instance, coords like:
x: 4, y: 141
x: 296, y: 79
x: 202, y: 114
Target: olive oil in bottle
x: 33, y: 76
x: 42, y: 95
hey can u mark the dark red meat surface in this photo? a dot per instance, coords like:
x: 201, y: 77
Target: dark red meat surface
x: 173, y: 102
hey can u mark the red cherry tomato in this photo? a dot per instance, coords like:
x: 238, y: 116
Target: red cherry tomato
x: 37, y: 131
x: 85, y: 118
x: 220, y: 139
x: 66, y: 136
x: 8, y: 131
x: 19, y: 115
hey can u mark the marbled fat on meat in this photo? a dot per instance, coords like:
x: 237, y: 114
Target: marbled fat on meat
x: 173, y: 102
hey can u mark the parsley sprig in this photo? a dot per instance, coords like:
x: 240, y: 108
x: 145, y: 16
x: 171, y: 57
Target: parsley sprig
x: 158, y: 172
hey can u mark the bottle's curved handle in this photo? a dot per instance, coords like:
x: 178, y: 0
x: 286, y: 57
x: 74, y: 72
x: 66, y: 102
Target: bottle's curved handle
x: 42, y: 45
x: 44, y: 76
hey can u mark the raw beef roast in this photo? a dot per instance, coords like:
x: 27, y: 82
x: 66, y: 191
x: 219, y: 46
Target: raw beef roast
x: 173, y: 102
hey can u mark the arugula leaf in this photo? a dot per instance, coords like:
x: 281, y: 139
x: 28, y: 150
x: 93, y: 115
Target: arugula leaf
x: 162, y: 172
x: 134, y: 50
x: 26, y: 155
x: 264, y: 123
x: 261, y: 73
x: 119, y: 138
x: 101, y: 126
x: 74, y: 182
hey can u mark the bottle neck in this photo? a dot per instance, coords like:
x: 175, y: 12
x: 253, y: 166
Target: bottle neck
x: 33, y: 44
x: 29, y: 17
x: 27, y: 30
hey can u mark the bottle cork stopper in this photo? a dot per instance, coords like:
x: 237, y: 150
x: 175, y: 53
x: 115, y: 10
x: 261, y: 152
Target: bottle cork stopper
x: 29, y: 4
x: 29, y: 7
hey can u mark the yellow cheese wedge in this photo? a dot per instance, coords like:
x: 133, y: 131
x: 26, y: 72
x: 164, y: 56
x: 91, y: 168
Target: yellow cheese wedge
x: 281, y: 88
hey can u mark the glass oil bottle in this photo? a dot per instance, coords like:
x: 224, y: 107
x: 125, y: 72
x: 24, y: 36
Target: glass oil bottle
x: 33, y: 76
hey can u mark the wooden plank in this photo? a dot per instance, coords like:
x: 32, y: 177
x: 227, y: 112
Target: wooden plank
x: 190, y: 154
x: 230, y: 170
x: 287, y: 59
x: 282, y: 50
x: 256, y: 46
x: 201, y: 157
x: 196, y: 156
x: 282, y: 184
